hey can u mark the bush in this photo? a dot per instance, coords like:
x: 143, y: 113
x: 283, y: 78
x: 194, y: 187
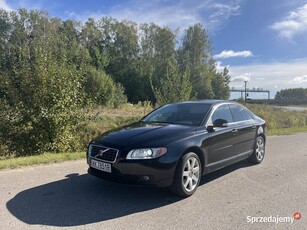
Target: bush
x: 40, y: 84
x: 118, y: 96
x: 43, y: 118
x: 97, y: 121
x: 100, y: 89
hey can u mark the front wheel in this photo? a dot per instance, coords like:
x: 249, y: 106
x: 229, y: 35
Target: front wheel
x: 187, y: 175
x: 259, y: 151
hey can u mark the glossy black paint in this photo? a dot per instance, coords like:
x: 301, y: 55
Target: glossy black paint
x: 216, y: 147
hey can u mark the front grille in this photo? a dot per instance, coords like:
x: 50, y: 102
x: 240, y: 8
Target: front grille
x: 103, y: 153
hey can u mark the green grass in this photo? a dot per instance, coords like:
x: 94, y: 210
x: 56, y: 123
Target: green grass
x: 46, y: 158
x: 287, y: 131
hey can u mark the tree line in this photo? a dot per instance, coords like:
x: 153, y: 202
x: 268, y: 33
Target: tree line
x: 292, y: 94
x: 50, y: 68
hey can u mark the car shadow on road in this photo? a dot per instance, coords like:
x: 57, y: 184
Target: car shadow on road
x: 84, y: 199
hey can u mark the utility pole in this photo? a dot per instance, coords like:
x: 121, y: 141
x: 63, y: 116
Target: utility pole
x: 245, y: 83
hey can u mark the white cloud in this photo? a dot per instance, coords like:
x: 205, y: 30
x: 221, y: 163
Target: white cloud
x: 222, y: 11
x: 5, y: 6
x: 213, y: 14
x: 231, y: 53
x: 241, y: 78
x: 271, y: 76
x: 293, y: 24
x: 298, y: 80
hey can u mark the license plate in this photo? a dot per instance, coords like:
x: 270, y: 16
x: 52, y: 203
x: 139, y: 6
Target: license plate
x: 106, y: 167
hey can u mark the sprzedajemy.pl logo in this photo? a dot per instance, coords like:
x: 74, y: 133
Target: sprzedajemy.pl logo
x: 273, y: 219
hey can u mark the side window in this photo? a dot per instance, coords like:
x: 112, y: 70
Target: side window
x: 249, y: 115
x: 238, y: 112
x: 222, y: 112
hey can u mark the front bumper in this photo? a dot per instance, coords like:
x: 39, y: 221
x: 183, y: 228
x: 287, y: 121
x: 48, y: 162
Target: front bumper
x: 158, y: 172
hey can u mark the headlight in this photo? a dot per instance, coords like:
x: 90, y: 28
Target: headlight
x: 149, y: 153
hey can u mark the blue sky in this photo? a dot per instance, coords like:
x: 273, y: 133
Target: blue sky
x: 262, y: 41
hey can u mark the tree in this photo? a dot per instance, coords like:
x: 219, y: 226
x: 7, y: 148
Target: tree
x: 174, y: 86
x: 5, y: 31
x: 41, y: 87
x: 93, y: 39
x: 194, y: 55
x: 121, y: 43
x: 220, y: 84
x: 158, y: 64
x: 292, y: 94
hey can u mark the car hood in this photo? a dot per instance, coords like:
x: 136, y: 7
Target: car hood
x: 142, y: 134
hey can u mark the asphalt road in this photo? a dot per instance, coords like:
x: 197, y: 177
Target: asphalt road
x: 64, y: 196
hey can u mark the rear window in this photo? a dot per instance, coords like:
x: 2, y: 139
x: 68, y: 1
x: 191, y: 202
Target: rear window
x: 249, y: 114
x: 239, y: 113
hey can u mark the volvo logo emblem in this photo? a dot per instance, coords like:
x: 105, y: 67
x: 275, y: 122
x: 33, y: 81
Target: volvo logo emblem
x: 101, y: 152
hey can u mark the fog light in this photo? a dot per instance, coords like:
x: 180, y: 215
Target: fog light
x: 146, y: 177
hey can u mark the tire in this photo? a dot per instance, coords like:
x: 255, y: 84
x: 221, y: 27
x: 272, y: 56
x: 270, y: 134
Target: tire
x: 187, y: 176
x: 259, y: 151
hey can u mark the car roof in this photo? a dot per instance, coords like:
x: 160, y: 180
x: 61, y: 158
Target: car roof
x: 209, y: 102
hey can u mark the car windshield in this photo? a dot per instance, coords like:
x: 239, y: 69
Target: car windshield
x: 183, y: 114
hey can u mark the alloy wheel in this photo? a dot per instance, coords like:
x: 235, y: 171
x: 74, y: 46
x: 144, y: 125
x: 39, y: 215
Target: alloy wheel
x: 191, y: 174
x: 259, y: 149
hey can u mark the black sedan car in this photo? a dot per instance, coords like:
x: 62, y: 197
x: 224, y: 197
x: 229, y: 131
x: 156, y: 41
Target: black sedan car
x: 174, y: 145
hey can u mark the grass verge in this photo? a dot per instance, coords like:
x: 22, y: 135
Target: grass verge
x: 46, y: 158
x: 287, y: 131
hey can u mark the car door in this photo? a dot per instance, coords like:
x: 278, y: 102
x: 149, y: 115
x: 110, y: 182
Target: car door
x: 246, y: 130
x: 220, y: 139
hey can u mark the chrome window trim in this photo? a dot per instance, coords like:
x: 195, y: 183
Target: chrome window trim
x: 226, y: 103
x: 215, y: 108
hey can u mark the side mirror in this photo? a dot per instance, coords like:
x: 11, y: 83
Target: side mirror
x: 220, y: 123
x: 210, y: 128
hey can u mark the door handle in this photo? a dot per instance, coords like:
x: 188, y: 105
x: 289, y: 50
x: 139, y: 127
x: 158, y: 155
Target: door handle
x: 234, y: 131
